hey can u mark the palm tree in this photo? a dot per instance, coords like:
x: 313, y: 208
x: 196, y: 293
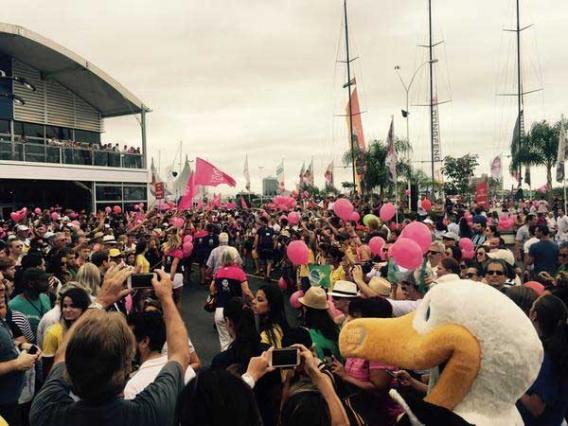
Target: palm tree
x: 374, y: 159
x: 541, y: 147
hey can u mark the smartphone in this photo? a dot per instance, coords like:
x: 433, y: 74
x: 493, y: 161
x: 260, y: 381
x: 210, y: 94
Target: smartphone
x: 285, y: 358
x: 140, y: 281
x: 390, y: 373
x: 33, y: 350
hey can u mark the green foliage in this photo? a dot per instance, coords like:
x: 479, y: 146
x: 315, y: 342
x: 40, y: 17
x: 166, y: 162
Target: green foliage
x: 459, y: 171
x: 373, y: 160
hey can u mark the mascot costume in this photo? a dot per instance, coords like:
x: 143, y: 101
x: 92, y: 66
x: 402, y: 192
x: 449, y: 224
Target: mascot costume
x: 483, y: 352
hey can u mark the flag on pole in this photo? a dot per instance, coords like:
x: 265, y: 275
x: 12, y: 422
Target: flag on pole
x: 561, y: 152
x: 355, y: 115
x: 309, y: 174
x: 280, y: 177
x: 302, y: 171
x: 496, y: 168
x: 186, y: 201
x: 515, y: 148
x: 243, y: 203
x: 329, y: 175
x: 391, y: 159
x: 247, y: 174
x: 209, y: 175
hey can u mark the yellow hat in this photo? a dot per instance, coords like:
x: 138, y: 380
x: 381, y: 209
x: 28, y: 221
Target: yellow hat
x: 114, y: 253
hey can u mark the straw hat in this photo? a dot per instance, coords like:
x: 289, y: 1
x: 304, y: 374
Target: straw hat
x: 380, y: 286
x: 315, y: 298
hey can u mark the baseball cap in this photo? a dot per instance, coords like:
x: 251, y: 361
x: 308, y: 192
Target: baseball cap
x: 344, y: 289
x: 22, y: 228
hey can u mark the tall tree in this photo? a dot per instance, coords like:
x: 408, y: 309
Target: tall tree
x: 542, y: 147
x: 459, y: 171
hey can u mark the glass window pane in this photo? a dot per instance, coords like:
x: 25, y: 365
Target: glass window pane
x: 5, y: 127
x: 88, y: 137
x: 134, y: 193
x: 109, y: 193
x: 33, y: 130
x: 18, y: 128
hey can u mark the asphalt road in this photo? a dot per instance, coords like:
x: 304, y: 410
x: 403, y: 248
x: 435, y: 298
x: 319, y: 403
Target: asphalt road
x: 200, y: 323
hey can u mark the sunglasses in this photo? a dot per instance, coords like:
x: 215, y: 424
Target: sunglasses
x: 470, y: 274
x: 433, y: 253
x: 495, y: 273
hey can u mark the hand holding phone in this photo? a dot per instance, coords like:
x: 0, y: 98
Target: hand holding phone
x: 285, y: 358
x: 139, y: 281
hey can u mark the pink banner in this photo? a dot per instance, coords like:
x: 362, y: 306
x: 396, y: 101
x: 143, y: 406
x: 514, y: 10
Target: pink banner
x: 209, y: 175
x: 186, y: 202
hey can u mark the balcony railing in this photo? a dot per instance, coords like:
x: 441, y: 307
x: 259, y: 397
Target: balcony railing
x: 54, y: 154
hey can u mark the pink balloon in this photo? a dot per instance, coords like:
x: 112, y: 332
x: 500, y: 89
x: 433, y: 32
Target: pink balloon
x: 55, y: 216
x: 37, y: 210
x: 108, y: 210
x: 376, y: 245
x: 355, y: 217
x: 117, y: 210
x: 187, y: 238
x: 177, y: 222
x: 467, y: 254
x: 73, y: 215
x: 294, y: 299
x: 418, y: 232
x: 343, y: 208
x: 15, y: 216
x: 297, y: 252
x: 282, y: 284
x: 466, y: 244
x: 387, y: 212
x: 293, y: 218
x: 427, y: 204
x: 187, y: 248
x: 407, y: 253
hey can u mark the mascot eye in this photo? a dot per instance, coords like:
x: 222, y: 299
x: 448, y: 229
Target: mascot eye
x: 427, y: 316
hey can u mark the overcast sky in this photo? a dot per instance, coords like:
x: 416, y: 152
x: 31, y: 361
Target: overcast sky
x: 232, y: 77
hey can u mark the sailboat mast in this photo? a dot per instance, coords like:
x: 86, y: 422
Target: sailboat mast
x: 348, y: 62
x: 519, y: 85
x: 431, y: 53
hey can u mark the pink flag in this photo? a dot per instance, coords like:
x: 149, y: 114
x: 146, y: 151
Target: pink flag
x: 243, y: 203
x: 209, y: 175
x: 186, y: 202
x: 217, y: 200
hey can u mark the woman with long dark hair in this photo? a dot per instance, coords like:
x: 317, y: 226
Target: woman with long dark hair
x: 546, y: 401
x: 246, y: 344
x: 323, y: 330
x: 268, y: 305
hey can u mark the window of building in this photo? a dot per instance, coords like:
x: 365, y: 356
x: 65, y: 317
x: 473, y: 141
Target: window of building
x: 60, y: 133
x: 88, y: 137
x: 5, y: 127
x: 33, y: 130
x: 134, y: 193
x: 109, y: 192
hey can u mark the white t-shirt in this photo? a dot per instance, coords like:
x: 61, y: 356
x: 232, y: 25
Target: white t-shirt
x: 147, y: 373
x: 529, y: 243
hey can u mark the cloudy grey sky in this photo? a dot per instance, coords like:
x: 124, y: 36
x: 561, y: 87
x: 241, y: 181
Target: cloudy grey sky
x: 232, y: 77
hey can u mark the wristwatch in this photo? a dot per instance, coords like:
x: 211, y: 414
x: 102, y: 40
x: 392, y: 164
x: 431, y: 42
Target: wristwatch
x: 97, y: 305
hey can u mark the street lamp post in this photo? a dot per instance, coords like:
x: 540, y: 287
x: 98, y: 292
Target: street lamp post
x: 406, y: 112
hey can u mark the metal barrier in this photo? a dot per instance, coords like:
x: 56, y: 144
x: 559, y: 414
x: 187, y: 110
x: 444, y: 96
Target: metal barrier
x: 44, y: 153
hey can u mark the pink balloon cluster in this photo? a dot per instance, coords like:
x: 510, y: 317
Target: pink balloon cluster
x: 426, y: 204
x: 355, y: 217
x: 177, y: 222
x: 406, y: 253
x: 298, y: 252
x: 343, y: 209
x: 284, y: 202
x: 55, y: 216
x: 187, y: 245
x: 419, y: 233
x: 387, y: 212
x: 19, y: 215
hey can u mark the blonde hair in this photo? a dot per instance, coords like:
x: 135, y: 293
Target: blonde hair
x: 230, y: 255
x: 89, y: 277
x: 173, y: 242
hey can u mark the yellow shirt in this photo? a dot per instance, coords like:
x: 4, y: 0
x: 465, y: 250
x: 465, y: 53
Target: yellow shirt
x: 278, y: 334
x: 143, y: 263
x: 336, y: 275
x: 52, y: 339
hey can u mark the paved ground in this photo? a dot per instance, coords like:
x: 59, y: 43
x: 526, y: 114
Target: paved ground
x: 200, y: 323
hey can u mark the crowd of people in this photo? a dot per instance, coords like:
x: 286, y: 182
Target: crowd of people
x: 78, y: 345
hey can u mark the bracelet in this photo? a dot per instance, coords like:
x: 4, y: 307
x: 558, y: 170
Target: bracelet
x: 97, y: 305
